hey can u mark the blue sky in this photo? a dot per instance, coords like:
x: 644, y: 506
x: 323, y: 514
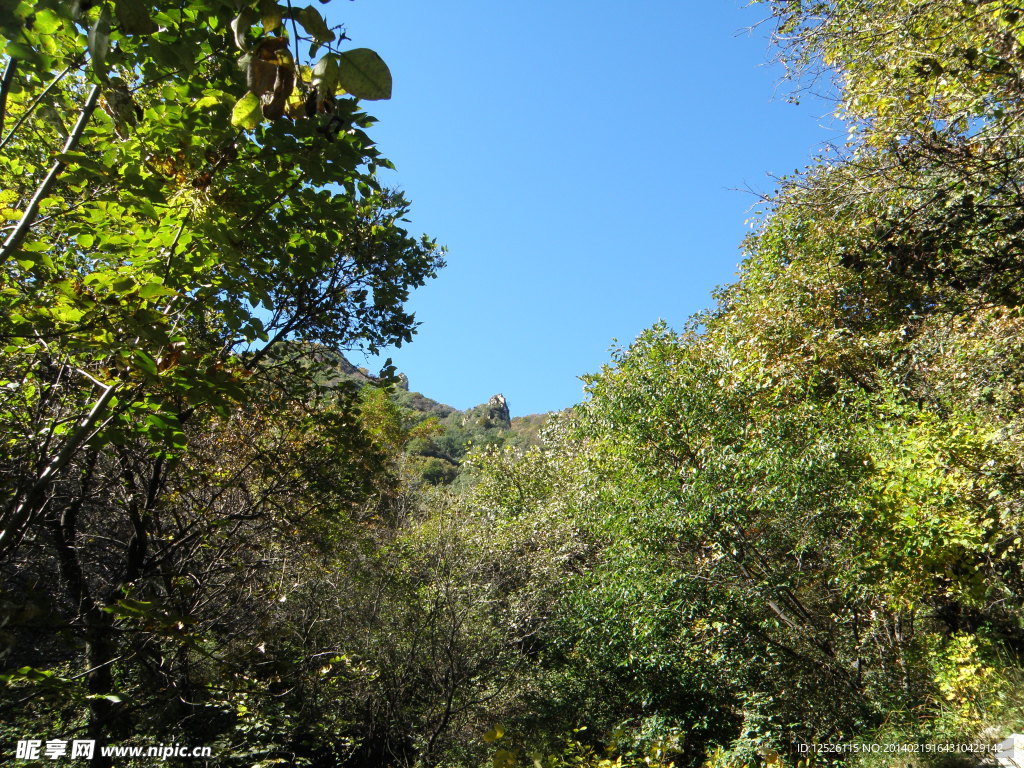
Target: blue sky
x: 585, y: 162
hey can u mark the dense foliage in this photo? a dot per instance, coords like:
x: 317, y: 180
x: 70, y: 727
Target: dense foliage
x: 184, y: 190
x: 798, y: 520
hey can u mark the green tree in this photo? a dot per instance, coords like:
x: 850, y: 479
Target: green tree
x: 187, y: 191
x: 157, y: 230
x: 810, y: 492
x: 927, y: 182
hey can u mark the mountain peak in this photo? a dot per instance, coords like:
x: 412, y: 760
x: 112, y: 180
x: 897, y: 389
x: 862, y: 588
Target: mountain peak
x: 493, y: 413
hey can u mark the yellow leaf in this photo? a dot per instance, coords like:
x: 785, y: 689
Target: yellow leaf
x: 246, y: 113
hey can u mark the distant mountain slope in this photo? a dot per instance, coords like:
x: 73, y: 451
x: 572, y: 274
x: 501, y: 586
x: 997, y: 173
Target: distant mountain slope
x: 439, y: 446
x: 416, y: 401
x: 442, y: 434
x: 528, y: 427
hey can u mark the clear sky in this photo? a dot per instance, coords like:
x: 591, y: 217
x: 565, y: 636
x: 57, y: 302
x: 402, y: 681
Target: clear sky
x: 585, y: 162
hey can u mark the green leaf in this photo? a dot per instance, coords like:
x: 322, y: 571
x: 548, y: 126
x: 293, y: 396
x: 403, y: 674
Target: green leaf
x: 326, y: 74
x: 133, y: 17
x: 246, y: 113
x: 31, y: 674
x: 364, y: 74
x: 209, y: 100
x: 311, y: 20
x: 22, y: 52
x: 145, y: 362
x: 153, y: 290
x: 68, y: 314
x: 46, y: 22
x: 130, y: 607
x: 271, y: 14
x: 494, y: 733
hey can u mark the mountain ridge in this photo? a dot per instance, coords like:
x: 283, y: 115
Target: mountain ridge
x: 437, y: 448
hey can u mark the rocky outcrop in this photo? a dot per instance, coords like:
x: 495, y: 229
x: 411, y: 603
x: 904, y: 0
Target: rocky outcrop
x: 348, y: 369
x: 493, y: 413
x: 498, y: 408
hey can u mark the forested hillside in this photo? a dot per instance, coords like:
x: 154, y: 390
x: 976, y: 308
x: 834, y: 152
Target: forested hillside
x: 796, y: 521
x: 433, y: 438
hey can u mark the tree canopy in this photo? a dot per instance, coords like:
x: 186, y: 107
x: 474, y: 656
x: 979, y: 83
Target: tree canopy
x: 157, y: 230
x: 187, y: 186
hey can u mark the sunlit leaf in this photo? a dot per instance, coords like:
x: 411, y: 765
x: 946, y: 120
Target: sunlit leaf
x: 315, y: 25
x: 364, y: 74
x: 247, y: 113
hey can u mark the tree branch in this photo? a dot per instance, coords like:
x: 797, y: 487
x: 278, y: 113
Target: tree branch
x: 5, y: 88
x: 31, y: 107
x: 32, y: 500
x: 18, y: 235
